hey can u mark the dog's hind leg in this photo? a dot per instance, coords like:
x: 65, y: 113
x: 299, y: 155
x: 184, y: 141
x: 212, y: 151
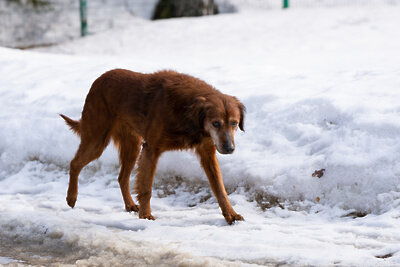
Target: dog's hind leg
x: 129, y: 147
x: 89, y: 150
x: 144, y: 180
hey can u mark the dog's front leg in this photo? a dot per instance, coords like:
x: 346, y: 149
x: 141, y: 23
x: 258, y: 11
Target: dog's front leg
x: 144, y: 180
x: 209, y: 162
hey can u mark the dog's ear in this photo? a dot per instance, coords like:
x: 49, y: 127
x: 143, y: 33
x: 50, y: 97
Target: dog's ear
x: 200, y: 110
x: 242, y: 110
x: 197, y: 112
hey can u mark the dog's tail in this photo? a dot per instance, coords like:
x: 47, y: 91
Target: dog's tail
x: 74, y: 125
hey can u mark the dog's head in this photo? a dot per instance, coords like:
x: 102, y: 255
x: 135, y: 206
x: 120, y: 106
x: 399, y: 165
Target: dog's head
x: 220, y: 116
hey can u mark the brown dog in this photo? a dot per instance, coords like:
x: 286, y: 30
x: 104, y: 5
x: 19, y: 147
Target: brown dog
x: 168, y: 111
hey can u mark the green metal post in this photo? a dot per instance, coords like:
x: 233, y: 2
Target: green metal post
x: 83, y: 12
x: 285, y: 3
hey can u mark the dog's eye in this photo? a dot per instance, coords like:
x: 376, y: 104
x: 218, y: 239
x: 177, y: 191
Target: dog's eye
x: 234, y: 123
x: 216, y: 124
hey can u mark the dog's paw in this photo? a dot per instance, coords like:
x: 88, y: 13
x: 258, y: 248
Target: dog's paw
x: 71, y: 201
x: 148, y: 217
x: 231, y: 218
x: 132, y: 207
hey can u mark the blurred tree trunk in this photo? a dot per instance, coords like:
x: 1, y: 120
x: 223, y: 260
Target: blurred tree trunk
x: 184, y: 8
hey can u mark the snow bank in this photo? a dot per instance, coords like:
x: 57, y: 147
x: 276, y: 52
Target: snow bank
x: 352, y: 130
x: 317, y: 98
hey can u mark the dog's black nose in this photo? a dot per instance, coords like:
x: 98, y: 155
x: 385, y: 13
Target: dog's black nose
x: 228, y: 148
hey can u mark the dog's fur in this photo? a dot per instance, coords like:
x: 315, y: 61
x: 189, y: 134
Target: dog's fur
x: 162, y: 111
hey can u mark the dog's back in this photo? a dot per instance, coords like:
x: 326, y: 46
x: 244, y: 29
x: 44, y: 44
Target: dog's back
x: 151, y: 104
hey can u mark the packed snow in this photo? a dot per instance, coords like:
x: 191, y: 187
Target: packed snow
x: 321, y: 87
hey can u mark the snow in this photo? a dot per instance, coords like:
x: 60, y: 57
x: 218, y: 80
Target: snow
x: 321, y: 87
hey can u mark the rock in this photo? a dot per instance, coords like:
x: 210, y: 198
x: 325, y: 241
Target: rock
x: 184, y: 8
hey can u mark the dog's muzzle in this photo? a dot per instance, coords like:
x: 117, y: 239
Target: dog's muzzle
x: 227, y: 148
